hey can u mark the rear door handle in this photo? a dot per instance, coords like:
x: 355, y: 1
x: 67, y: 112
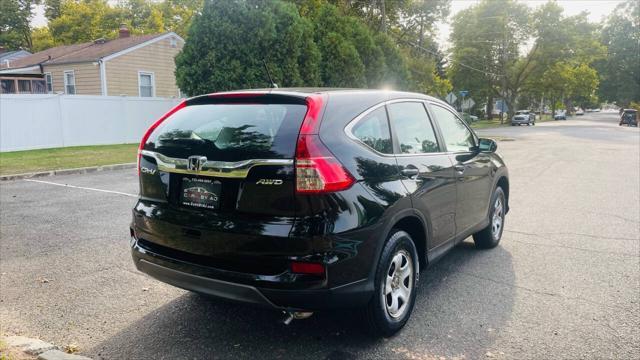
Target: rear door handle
x: 410, y: 171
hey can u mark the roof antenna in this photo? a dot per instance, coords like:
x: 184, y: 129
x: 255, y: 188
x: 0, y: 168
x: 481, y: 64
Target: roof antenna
x: 266, y: 68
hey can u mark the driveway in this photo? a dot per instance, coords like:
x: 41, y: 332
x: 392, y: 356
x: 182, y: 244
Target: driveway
x: 564, y: 283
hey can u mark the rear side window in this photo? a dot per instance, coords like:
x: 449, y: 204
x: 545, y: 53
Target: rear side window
x: 412, y: 127
x: 230, y: 132
x: 373, y: 130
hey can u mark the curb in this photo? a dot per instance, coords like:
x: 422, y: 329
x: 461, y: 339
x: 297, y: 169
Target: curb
x: 84, y: 170
x: 44, y: 350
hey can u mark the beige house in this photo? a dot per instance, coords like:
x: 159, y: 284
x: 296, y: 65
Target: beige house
x: 129, y: 65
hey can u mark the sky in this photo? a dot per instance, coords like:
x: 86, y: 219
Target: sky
x: 597, y: 9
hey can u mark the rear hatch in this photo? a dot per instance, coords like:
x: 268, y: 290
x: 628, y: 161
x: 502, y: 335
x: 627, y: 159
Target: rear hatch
x: 217, y: 182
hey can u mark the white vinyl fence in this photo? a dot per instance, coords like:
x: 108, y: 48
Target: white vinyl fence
x: 47, y: 121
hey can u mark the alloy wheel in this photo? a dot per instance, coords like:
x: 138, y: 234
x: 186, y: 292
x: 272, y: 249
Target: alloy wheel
x: 398, y: 284
x: 497, y: 219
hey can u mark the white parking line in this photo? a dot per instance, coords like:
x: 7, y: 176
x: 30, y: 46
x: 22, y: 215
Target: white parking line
x: 81, y: 187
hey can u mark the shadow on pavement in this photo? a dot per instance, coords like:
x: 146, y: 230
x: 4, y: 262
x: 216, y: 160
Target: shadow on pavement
x: 455, y: 307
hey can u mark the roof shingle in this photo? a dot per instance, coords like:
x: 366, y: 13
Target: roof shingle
x: 85, y: 52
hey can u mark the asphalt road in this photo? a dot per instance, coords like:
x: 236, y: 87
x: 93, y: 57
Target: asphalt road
x: 564, y: 283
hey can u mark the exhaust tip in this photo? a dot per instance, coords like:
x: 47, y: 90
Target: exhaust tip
x: 296, y: 315
x: 300, y: 315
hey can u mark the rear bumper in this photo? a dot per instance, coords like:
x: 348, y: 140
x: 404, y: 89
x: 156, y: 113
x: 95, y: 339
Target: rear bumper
x: 199, y: 279
x: 517, y: 121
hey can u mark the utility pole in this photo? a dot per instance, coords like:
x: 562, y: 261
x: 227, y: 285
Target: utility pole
x: 383, y: 13
x: 504, y: 68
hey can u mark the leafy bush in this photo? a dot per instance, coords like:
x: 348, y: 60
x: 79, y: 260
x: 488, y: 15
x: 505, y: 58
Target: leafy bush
x: 229, y: 40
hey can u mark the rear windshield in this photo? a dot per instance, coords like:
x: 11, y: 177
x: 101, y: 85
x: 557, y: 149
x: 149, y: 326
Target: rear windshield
x: 230, y: 132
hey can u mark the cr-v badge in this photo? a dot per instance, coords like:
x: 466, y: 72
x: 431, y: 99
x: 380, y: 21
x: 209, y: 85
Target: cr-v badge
x: 269, y: 182
x: 146, y: 170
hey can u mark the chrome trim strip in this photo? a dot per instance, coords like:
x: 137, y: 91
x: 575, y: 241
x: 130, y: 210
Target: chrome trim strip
x: 225, y: 169
x: 349, y: 128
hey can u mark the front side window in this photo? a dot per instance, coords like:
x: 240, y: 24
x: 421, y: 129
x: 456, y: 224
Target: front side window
x: 70, y: 82
x: 413, y: 128
x: 457, y: 136
x: 145, y: 80
x: 373, y: 130
x: 49, y: 80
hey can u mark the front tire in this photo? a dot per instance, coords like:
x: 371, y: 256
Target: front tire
x: 490, y: 236
x: 395, y: 286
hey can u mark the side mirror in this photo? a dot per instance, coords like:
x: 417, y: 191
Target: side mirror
x: 487, y: 145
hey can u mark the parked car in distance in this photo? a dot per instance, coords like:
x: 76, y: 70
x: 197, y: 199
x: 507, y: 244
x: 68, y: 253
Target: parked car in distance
x: 302, y: 200
x: 523, y: 117
x: 560, y: 115
x: 579, y: 112
x: 629, y: 117
x: 468, y: 117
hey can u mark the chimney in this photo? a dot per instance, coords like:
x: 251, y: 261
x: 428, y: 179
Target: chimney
x: 123, y: 32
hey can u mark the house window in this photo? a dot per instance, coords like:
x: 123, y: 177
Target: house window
x: 49, y: 79
x: 39, y: 86
x: 146, y: 84
x: 24, y: 86
x: 70, y: 82
x: 7, y: 86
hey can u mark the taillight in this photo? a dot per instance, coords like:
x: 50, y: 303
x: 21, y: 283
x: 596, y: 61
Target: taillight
x: 154, y: 126
x: 308, y: 268
x: 317, y: 170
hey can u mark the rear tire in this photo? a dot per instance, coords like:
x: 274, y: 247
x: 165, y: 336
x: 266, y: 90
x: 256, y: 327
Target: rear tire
x: 490, y: 236
x: 395, y: 282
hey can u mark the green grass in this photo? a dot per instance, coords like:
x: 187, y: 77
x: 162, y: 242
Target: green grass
x: 484, y: 124
x: 495, y: 122
x: 18, y: 162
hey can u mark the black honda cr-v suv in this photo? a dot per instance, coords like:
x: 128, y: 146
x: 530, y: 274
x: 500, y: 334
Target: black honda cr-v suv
x: 309, y: 199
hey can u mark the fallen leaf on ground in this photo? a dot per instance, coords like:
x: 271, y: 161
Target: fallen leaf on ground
x: 71, y: 348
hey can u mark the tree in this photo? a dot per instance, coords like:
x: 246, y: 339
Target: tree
x: 15, y: 19
x: 566, y: 48
x: 410, y: 23
x: 73, y: 21
x: 620, y: 70
x: 229, y: 41
x: 83, y: 21
x: 41, y: 39
x: 491, y: 54
x: 52, y: 9
x: 312, y: 44
x: 486, y: 51
x: 177, y: 15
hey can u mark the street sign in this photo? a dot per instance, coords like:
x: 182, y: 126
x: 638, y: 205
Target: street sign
x: 451, y: 98
x: 464, y: 93
x: 468, y: 104
x: 502, y: 106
